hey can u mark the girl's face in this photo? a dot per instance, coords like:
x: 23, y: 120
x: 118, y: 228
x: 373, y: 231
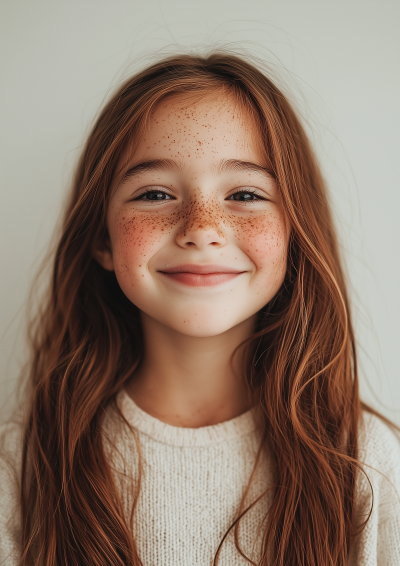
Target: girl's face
x: 198, y: 238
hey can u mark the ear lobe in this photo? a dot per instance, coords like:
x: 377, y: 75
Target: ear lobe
x: 103, y: 255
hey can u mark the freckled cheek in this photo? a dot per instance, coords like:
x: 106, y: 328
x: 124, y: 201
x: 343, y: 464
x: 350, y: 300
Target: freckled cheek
x: 133, y: 245
x: 266, y: 246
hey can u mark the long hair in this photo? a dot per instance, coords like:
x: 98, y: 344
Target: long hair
x: 87, y: 342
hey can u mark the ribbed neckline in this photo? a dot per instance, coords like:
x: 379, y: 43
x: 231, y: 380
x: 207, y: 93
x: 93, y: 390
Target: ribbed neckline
x: 182, y: 436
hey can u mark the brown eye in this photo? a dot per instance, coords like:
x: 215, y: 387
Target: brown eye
x: 154, y: 196
x: 245, y: 196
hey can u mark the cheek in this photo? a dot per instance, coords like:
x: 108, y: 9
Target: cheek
x: 264, y: 240
x: 135, y: 239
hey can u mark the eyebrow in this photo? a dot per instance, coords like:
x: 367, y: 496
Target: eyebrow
x: 151, y: 165
x: 238, y: 165
x: 225, y: 165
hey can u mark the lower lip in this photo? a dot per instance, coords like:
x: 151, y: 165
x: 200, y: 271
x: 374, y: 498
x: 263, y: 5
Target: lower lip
x: 201, y: 280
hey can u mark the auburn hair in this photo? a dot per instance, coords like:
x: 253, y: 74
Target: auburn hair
x: 87, y: 342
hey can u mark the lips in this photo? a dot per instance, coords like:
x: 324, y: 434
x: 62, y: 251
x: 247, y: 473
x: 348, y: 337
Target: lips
x: 201, y: 275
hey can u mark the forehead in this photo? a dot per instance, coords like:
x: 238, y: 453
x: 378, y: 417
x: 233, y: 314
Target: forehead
x: 213, y: 127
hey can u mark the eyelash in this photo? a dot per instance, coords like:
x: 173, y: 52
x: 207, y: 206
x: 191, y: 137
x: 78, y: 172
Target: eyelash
x: 246, y: 192
x: 240, y: 191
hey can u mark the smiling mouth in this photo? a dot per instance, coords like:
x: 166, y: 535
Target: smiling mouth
x: 201, y: 275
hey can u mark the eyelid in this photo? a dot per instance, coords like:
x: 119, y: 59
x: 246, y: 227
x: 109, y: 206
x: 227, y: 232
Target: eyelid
x: 251, y: 190
x: 153, y: 189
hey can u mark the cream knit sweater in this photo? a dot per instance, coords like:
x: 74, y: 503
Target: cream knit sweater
x: 193, y: 480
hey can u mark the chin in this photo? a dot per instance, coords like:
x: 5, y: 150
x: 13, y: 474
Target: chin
x: 201, y: 332
x: 200, y: 327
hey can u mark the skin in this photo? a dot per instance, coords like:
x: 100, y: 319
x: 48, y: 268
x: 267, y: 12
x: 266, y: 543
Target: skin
x: 202, y: 209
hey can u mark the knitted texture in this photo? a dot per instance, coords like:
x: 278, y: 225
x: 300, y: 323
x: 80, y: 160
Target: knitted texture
x: 193, y: 481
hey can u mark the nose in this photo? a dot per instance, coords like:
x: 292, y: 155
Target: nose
x: 200, y: 239
x: 202, y: 228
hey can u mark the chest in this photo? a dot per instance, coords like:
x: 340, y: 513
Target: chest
x: 190, y: 496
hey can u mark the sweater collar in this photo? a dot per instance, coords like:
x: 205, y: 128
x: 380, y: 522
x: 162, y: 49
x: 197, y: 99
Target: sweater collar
x: 180, y: 436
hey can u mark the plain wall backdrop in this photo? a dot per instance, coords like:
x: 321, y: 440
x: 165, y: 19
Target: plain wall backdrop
x: 341, y: 61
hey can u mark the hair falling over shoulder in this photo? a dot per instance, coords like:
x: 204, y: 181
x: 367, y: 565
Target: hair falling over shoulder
x: 87, y: 342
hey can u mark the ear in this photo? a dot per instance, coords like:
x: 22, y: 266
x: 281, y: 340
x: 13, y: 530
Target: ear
x: 102, y: 253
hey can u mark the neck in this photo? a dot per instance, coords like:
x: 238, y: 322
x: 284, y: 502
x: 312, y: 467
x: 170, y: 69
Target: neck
x: 191, y: 381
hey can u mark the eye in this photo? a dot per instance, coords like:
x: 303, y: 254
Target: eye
x: 154, y: 195
x: 245, y: 195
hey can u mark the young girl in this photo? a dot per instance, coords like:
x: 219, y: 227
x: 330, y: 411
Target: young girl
x: 193, y: 392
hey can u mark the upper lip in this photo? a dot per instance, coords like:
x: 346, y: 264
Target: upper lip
x: 201, y: 269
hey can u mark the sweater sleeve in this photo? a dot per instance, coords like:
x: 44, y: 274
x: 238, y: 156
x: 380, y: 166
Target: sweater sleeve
x: 379, y: 542
x: 10, y: 452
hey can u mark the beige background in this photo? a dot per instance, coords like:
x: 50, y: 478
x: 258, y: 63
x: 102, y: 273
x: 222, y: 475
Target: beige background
x: 340, y: 58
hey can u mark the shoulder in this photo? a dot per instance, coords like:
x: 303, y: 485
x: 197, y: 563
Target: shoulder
x: 379, y: 446
x: 379, y: 456
x: 378, y: 495
x: 11, y: 438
